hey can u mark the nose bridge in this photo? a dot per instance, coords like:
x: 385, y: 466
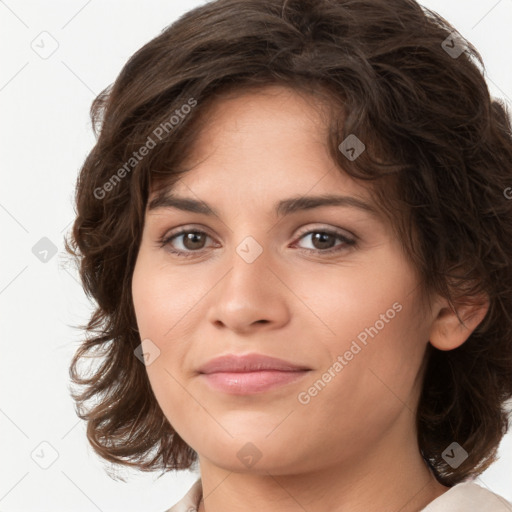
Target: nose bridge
x: 249, y: 265
x: 250, y: 250
x: 249, y: 293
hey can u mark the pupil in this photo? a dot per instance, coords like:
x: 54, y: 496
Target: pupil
x: 323, y: 238
x: 191, y: 239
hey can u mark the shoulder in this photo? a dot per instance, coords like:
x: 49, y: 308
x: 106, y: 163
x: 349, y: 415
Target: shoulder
x: 469, y: 497
x: 189, y: 502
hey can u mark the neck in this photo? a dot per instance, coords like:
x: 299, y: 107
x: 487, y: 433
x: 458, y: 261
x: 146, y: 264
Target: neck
x: 392, y: 476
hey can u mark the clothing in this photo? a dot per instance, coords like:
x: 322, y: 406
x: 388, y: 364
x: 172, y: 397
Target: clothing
x: 463, y: 497
x: 468, y: 497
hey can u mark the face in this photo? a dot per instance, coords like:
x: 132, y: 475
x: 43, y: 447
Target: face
x: 325, y: 288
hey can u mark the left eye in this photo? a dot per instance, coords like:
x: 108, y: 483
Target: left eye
x: 322, y: 240
x: 193, y: 241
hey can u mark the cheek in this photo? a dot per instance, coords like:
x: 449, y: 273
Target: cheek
x: 371, y: 333
x: 375, y: 382
x: 166, y: 298
x: 166, y: 303
x: 362, y: 300
x: 382, y: 358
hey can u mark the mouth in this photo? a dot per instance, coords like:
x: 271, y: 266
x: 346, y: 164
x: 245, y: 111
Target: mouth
x: 250, y: 374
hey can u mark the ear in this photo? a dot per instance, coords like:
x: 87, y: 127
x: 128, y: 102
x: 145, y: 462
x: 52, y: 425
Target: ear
x: 447, y: 332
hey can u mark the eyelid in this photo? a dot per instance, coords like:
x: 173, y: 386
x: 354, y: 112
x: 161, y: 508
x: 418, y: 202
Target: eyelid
x: 182, y: 230
x: 186, y: 228
x: 325, y: 228
x: 302, y: 231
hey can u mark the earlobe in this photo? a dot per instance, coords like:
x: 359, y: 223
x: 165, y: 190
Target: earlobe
x: 447, y: 332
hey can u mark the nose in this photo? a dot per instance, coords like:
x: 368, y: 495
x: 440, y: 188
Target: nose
x: 251, y: 296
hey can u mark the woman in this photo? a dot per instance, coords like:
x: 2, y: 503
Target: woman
x: 295, y: 224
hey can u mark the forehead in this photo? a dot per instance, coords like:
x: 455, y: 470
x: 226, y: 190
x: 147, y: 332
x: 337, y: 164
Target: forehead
x: 264, y: 147
x: 267, y: 115
x: 260, y: 139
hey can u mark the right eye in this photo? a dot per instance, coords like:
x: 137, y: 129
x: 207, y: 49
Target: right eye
x: 192, y: 241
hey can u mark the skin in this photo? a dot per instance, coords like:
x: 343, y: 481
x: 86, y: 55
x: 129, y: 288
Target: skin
x: 353, y: 446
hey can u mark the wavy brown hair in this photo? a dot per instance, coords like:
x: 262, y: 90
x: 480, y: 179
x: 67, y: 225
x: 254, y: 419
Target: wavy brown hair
x: 438, y: 158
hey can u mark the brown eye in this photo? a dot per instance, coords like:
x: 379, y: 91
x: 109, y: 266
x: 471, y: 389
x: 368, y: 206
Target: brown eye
x: 323, y: 240
x: 193, y: 240
x: 326, y: 241
x: 185, y: 243
x: 189, y: 243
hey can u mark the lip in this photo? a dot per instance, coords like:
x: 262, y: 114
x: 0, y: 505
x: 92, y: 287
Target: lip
x: 250, y: 373
x: 248, y: 363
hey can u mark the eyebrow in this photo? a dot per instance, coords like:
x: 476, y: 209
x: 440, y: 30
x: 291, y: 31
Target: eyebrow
x: 283, y: 207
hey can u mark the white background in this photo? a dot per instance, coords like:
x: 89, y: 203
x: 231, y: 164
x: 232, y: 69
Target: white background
x: 46, y: 134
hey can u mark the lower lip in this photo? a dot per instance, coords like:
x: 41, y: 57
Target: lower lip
x: 245, y: 383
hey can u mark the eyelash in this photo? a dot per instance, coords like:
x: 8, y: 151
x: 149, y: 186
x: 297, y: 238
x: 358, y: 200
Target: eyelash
x: 347, y: 242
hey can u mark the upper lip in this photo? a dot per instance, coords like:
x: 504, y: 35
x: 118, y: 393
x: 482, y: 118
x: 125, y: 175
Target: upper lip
x: 248, y: 363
